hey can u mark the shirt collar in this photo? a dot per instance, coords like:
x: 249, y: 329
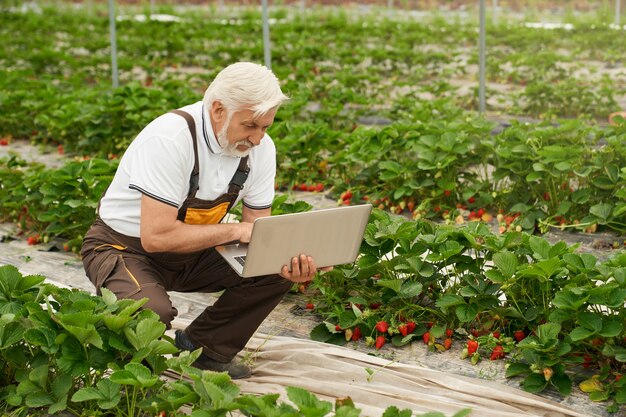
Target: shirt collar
x: 209, y: 136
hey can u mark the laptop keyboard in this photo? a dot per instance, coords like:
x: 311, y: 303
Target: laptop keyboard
x: 241, y: 259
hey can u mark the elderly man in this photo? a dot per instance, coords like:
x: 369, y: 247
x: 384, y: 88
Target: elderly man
x: 160, y: 219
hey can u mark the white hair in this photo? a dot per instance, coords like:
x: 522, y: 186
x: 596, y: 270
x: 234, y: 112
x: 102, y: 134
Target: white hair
x: 245, y: 86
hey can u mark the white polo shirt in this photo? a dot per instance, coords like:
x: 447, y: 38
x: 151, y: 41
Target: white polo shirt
x: 159, y: 162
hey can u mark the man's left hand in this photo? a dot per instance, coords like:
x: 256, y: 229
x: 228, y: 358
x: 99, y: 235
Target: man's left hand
x: 303, y: 269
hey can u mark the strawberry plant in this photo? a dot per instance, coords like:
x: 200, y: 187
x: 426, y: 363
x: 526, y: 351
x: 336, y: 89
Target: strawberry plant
x: 65, y: 350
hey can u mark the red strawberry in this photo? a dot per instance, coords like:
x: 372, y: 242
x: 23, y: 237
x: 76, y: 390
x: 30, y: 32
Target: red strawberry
x: 33, y: 240
x: 519, y: 335
x: 375, y: 306
x: 346, y: 202
x: 497, y: 353
x: 346, y: 195
x: 319, y: 187
x: 60, y: 149
x: 382, y: 326
x: 4, y: 142
x: 618, y: 377
x: 472, y: 346
x: 403, y: 329
x: 447, y: 344
x: 471, y: 200
x: 310, y: 306
x: 303, y: 187
x: 410, y: 326
x: 356, y: 334
x: 447, y: 193
x: 311, y: 188
x: 426, y: 337
x: 546, y: 196
x: 496, y: 334
x: 449, y: 332
x: 337, y: 327
x: 380, y: 342
x: 588, y: 359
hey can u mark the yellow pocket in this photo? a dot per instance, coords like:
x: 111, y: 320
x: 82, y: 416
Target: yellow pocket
x: 206, y: 216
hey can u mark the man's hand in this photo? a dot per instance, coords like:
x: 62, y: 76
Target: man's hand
x: 245, y: 232
x: 303, y: 269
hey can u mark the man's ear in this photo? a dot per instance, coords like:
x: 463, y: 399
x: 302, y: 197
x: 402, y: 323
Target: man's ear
x: 218, y: 112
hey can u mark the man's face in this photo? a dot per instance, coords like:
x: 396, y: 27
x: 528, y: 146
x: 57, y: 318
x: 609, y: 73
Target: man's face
x: 238, y: 132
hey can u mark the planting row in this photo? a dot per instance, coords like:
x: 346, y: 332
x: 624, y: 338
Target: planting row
x: 338, y: 61
x: 66, y: 351
x: 556, y: 315
x: 528, y: 177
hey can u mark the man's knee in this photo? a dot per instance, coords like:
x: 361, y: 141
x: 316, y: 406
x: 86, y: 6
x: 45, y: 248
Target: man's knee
x: 160, y: 303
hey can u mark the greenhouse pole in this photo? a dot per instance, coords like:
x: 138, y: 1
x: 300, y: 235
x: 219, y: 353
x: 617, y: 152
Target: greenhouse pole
x: 113, y: 43
x: 266, y: 36
x: 481, y: 59
x: 617, y: 12
x: 494, y: 17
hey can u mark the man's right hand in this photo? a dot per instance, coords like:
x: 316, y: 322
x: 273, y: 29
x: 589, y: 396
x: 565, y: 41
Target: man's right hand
x: 245, y: 230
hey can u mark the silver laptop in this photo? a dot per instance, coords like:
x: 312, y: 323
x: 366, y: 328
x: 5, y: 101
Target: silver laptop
x: 331, y: 236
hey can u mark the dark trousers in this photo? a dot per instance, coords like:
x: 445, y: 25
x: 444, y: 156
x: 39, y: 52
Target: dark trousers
x: 119, y: 263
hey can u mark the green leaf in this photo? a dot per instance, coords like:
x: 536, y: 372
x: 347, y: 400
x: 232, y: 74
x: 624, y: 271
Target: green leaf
x: 86, y: 335
x: 87, y: 394
x: 506, y: 262
x: 534, y: 383
x: 581, y: 333
x: 110, y: 394
x: 108, y: 296
x: 611, y: 328
x: 601, y: 211
x: 466, y: 313
x: 393, y: 284
x: 540, y: 247
x: 562, y: 382
x: 368, y: 261
x: 516, y: 368
x: 320, y: 333
x: 307, y: 403
x: 548, y: 332
x: 38, y: 399
x: 393, y: 411
x: 410, y: 289
x: 591, y: 321
x: 449, y: 300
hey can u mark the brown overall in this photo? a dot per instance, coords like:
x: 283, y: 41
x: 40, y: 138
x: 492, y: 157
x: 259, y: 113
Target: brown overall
x: 119, y: 263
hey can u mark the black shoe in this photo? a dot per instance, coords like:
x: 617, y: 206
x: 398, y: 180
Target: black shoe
x: 235, y: 370
x: 182, y: 342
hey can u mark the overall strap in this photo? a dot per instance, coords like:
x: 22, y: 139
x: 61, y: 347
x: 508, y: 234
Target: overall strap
x: 195, y: 174
x: 240, y: 177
